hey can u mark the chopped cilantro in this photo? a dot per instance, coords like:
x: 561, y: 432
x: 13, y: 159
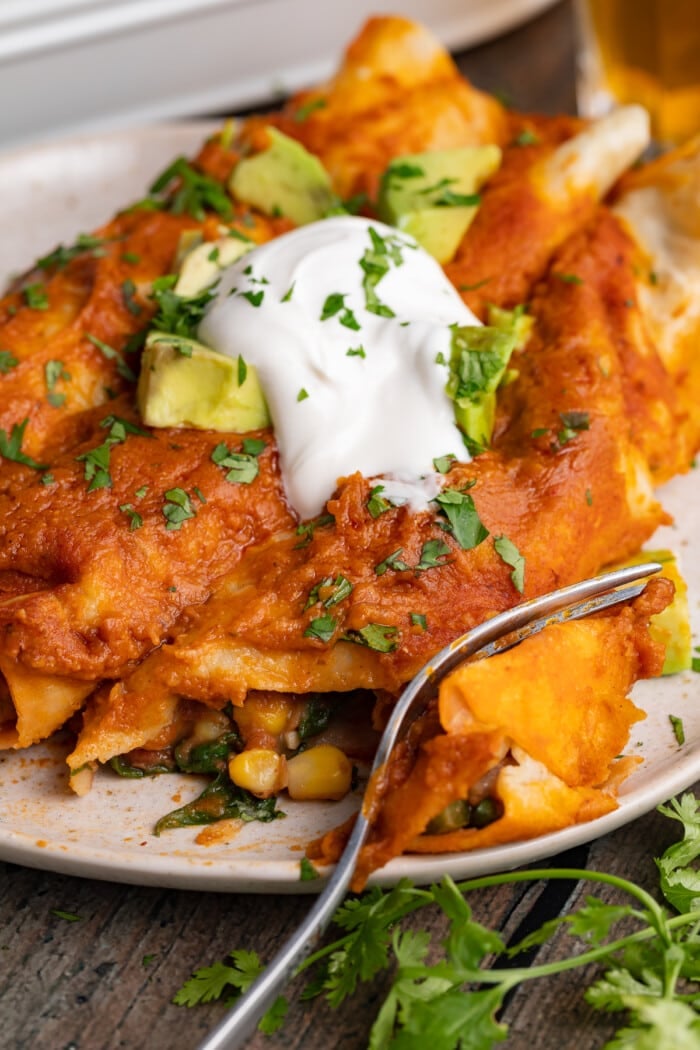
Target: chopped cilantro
x: 141, y: 492
x: 54, y: 372
x: 449, y: 199
x: 135, y: 519
x: 303, y: 394
x: 321, y: 627
x: 510, y: 554
x: 254, y: 298
x: 67, y: 916
x: 589, y: 497
x: 357, y: 352
x: 333, y: 305
x: 473, y: 287
x: 307, y: 108
x: 678, y: 729
x: 569, y: 278
x: 61, y: 255
x: 47, y: 479
x: 194, y: 192
x: 402, y: 169
x: 526, y: 138
x: 97, y: 459
x: 307, y: 529
x: 376, y: 504
x: 432, y: 555
x: 177, y: 508
x: 443, y: 464
x: 287, y: 297
x: 242, y: 467
x: 35, y: 296
x: 572, y: 424
x: 128, y: 293
x: 112, y: 355
x: 329, y: 591
x: 7, y: 361
x: 131, y: 257
x: 381, y: 637
x: 242, y: 370
x: 176, y: 314
x: 11, y: 446
x: 419, y: 620
x: 392, y: 561
x: 375, y: 264
x: 463, y: 518
x: 307, y: 871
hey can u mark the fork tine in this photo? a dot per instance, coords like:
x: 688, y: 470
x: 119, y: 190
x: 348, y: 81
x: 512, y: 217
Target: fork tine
x: 501, y: 632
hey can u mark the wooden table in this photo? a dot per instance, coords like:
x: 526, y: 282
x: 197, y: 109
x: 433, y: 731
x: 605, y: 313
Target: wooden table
x: 105, y: 982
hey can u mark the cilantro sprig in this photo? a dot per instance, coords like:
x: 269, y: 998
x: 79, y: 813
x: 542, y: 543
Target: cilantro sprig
x: 650, y: 975
x: 183, y: 190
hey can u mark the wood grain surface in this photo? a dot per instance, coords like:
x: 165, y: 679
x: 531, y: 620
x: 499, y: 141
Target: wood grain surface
x: 106, y: 981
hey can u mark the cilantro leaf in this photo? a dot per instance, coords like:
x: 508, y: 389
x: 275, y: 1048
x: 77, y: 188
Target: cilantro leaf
x: 432, y: 555
x: 680, y: 883
x: 178, y: 508
x: 178, y: 315
x: 35, y: 296
x: 242, y: 467
x: 464, y: 521
x: 11, y: 446
x: 381, y: 637
x: 321, y: 627
x: 7, y: 361
x: 510, y: 554
x: 659, y: 1024
x: 392, y: 561
x: 376, y: 504
x: 307, y: 871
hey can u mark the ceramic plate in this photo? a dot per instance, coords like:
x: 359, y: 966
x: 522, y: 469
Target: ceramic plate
x: 49, y: 194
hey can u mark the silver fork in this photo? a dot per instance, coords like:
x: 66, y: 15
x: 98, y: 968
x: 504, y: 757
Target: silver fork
x: 495, y: 635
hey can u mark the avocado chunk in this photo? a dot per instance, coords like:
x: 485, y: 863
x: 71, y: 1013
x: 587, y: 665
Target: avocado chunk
x: 478, y: 365
x: 672, y: 625
x: 185, y: 384
x: 202, y: 264
x: 433, y: 196
x: 285, y: 179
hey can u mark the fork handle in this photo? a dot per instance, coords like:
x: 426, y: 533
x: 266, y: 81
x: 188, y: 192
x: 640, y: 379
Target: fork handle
x: 241, y: 1021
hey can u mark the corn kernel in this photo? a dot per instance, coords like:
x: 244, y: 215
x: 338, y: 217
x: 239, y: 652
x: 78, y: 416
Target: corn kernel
x: 268, y: 713
x: 321, y: 772
x: 260, y: 771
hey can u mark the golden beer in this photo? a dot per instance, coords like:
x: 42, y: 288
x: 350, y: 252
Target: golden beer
x: 645, y: 51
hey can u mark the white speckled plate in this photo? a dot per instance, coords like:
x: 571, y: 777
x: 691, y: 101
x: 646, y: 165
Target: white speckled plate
x: 48, y: 195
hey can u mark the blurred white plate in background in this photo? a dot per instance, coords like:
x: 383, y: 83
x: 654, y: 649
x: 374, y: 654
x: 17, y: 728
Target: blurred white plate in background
x: 87, y: 65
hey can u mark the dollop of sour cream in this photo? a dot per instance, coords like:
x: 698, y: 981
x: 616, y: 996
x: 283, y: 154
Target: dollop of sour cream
x: 348, y: 324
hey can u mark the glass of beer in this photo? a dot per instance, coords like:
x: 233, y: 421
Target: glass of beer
x: 645, y: 51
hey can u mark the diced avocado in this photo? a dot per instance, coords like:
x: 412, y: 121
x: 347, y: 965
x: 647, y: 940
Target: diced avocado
x: 672, y: 625
x: 185, y: 384
x: 478, y: 362
x: 187, y: 240
x: 432, y: 196
x: 201, y: 266
x: 285, y: 179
